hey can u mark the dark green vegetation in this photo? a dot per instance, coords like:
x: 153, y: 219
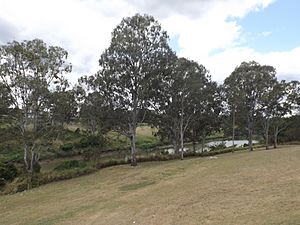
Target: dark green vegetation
x: 261, y: 187
x: 142, y: 98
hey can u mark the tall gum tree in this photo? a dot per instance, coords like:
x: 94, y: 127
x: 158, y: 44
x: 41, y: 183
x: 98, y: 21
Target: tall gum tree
x: 250, y: 81
x: 180, y: 96
x: 28, y: 69
x: 137, y: 54
x: 274, y: 105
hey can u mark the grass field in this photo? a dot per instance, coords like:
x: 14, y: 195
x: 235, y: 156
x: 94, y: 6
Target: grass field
x: 260, y: 187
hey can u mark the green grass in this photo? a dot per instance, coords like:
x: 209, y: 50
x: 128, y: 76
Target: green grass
x: 260, y: 187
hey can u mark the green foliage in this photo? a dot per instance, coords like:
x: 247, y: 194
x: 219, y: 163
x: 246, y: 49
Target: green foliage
x: 249, y: 91
x: 67, y: 147
x: 66, y: 165
x: 147, y: 142
x: 63, y: 106
x: 91, y: 154
x: 91, y: 140
x: 109, y: 163
x: 130, y: 67
x: 36, y: 168
x: 28, y: 69
x: 8, y: 172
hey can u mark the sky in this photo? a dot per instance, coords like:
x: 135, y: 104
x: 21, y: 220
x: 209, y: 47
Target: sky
x: 219, y: 34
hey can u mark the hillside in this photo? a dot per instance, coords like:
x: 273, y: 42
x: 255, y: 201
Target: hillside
x: 260, y: 187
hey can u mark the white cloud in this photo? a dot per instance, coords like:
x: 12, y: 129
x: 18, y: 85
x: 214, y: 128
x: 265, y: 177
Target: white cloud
x: 83, y: 28
x: 266, y: 33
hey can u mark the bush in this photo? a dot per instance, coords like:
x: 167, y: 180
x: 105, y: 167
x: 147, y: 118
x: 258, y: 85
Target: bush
x: 91, y: 140
x: 66, y: 165
x: 36, y: 168
x: 91, y: 154
x: 8, y: 172
x: 67, y: 147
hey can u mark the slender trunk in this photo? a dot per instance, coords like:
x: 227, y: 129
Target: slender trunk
x: 133, y: 147
x: 233, y: 130
x: 267, y: 133
x: 32, y: 160
x: 181, y: 138
x: 133, y: 126
x: 25, y: 147
x: 275, y: 137
x: 175, y: 144
x: 25, y: 156
x: 250, y: 133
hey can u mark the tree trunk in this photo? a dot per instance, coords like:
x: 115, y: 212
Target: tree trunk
x: 31, y: 161
x: 267, y: 133
x: 133, y: 126
x: 233, y: 129
x: 276, y: 137
x: 26, y: 156
x: 133, y: 146
x: 175, y: 144
x: 250, y: 133
x: 181, y: 138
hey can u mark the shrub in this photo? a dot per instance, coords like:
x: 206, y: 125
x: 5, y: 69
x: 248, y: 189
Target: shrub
x: 91, y: 153
x: 45, y: 178
x: 91, y: 140
x: 8, y: 172
x: 67, y: 147
x: 66, y: 165
x: 36, y: 168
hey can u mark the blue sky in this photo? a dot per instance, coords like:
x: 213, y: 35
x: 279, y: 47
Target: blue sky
x: 275, y: 28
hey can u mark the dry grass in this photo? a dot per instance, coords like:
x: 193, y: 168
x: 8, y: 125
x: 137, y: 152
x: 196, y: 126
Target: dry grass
x: 261, y: 187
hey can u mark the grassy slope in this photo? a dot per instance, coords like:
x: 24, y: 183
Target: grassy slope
x: 261, y: 187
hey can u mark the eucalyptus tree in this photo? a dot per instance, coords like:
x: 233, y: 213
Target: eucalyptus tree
x: 293, y: 95
x: 207, y: 117
x: 178, y: 97
x: 5, y: 101
x: 274, y: 105
x: 63, y: 105
x: 95, y: 110
x: 137, y: 55
x: 249, y: 82
x: 28, y: 69
x: 231, y: 102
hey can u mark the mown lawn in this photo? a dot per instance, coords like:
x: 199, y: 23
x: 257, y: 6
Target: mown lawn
x: 260, y: 187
